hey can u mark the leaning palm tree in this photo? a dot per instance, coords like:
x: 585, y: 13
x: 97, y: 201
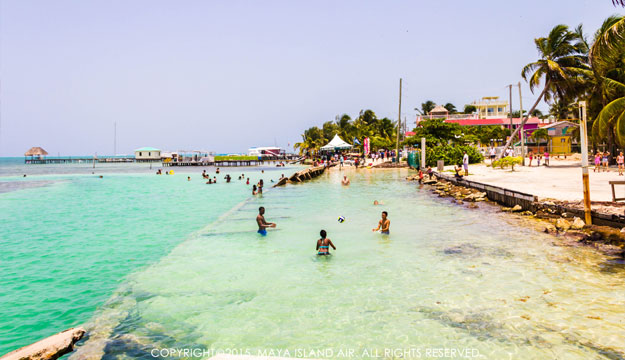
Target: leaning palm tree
x: 560, y: 55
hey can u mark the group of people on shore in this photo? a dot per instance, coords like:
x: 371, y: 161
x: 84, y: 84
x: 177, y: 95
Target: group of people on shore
x: 602, y: 161
x: 539, y: 157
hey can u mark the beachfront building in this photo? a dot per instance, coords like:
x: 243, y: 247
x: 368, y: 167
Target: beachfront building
x: 491, y: 107
x: 266, y: 151
x: 147, y: 154
x: 560, y: 136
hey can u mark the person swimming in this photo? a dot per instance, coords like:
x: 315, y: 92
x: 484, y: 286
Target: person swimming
x: 262, y: 223
x: 254, y: 191
x: 345, y: 180
x: 188, y: 178
x: 248, y: 181
x: 323, y: 244
x: 384, y: 225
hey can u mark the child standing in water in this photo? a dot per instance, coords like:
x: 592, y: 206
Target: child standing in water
x: 323, y: 244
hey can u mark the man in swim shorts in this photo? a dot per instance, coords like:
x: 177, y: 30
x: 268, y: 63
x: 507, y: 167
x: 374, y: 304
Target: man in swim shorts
x: 384, y: 225
x: 323, y: 244
x: 345, y: 180
x: 262, y: 224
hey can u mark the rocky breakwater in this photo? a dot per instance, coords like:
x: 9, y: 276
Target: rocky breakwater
x: 548, y: 217
x: 302, y: 175
x: 459, y: 194
x: 49, y: 348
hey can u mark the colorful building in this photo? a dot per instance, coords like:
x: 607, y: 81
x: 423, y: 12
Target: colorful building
x: 491, y: 107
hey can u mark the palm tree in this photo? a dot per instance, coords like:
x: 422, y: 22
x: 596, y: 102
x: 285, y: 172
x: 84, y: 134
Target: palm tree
x: 427, y: 106
x: 538, y: 135
x: 561, y: 55
x: 451, y: 108
x: 606, y: 56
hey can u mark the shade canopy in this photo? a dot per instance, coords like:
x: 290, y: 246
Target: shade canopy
x: 439, y: 110
x: 336, y: 144
x: 35, y: 151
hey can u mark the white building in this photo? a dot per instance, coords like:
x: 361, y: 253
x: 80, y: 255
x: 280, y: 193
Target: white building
x: 146, y: 154
x: 265, y: 151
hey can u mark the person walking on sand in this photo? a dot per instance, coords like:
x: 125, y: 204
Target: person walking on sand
x: 531, y: 156
x: 620, y: 160
x: 597, y: 162
x: 384, y: 225
x: 323, y: 244
x: 465, y: 162
x: 345, y: 180
x: 493, y: 154
x: 606, y: 157
x: 546, y: 158
x: 262, y: 223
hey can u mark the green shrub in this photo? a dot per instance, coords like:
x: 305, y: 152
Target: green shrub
x: 508, y: 161
x: 452, y: 154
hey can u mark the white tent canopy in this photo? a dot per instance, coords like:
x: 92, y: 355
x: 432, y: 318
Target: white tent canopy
x: 336, y: 144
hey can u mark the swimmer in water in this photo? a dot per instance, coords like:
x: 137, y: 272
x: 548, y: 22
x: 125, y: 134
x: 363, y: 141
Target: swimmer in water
x: 384, y: 225
x: 345, y: 180
x: 323, y: 244
x: 188, y: 178
x: 248, y: 181
x: 375, y: 202
x: 254, y: 192
x: 262, y: 223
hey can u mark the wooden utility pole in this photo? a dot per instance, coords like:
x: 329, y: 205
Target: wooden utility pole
x: 510, y: 105
x: 522, y: 129
x: 585, y: 180
x: 398, y: 125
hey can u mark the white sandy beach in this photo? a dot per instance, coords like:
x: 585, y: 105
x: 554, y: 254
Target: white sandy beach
x: 562, y: 180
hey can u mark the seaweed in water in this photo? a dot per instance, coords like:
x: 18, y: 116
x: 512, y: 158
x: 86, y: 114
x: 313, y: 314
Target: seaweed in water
x: 470, y: 250
x: 481, y: 326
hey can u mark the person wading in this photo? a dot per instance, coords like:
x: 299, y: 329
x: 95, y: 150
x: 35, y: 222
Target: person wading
x: 262, y: 224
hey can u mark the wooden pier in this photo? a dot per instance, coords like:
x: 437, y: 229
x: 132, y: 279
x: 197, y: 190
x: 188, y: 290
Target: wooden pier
x: 78, y: 159
x: 221, y: 163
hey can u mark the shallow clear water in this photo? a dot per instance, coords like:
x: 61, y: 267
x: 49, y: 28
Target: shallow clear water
x: 446, y: 278
x: 170, y: 263
x: 68, y: 240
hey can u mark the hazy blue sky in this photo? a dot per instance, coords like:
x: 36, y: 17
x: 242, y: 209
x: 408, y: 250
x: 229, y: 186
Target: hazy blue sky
x: 227, y: 75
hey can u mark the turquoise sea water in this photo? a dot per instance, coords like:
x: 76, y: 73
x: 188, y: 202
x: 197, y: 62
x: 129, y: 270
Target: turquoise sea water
x: 151, y: 262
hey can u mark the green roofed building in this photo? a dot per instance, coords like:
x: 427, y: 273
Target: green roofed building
x: 147, y: 154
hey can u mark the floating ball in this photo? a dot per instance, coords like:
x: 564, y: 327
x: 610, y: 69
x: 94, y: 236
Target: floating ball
x: 341, y: 219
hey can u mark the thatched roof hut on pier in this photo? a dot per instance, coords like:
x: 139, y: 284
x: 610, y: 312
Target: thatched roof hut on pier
x: 35, y: 153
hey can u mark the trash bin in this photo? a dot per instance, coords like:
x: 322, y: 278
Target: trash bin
x: 440, y: 165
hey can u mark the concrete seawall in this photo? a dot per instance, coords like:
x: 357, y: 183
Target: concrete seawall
x: 530, y: 202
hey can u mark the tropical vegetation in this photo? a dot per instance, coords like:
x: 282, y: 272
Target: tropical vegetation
x: 381, y: 133
x: 572, y: 68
